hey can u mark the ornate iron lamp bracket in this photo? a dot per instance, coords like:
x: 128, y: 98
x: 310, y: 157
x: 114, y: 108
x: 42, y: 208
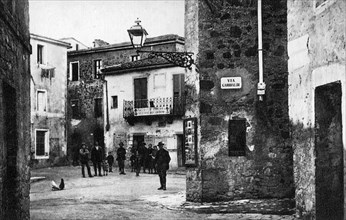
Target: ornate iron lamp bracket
x: 181, y: 59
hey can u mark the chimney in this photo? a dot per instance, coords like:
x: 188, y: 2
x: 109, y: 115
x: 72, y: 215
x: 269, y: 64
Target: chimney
x: 99, y: 43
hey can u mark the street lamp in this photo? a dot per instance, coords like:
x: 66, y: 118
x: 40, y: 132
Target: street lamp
x: 138, y: 36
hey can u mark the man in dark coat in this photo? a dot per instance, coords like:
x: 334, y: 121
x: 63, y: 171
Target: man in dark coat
x: 121, y: 152
x: 110, y: 160
x: 142, y: 153
x: 84, y: 159
x: 162, y: 160
x: 96, y: 158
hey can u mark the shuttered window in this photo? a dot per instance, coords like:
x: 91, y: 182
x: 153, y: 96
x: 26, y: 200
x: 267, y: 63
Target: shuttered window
x: 178, y: 85
x: 41, y: 142
x: 141, y: 93
x: 237, y: 137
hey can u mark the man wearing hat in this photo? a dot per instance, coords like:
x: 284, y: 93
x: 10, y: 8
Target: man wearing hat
x: 162, y: 160
x: 84, y: 159
x: 121, y: 152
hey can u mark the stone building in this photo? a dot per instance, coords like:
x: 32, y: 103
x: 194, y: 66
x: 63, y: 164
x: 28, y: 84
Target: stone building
x: 14, y: 110
x: 145, y: 104
x: 317, y: 107
x: 48, y: 100
x: 86, y: 89
x: 243, y: 143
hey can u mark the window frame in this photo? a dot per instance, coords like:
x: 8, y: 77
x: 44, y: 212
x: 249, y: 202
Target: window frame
x: 40, y: 54
x: 99, y: 61
x: 155, y: 79
x: 117, y: 102
x: 135, y: 57
x: 46, y: 146
x: 45, y: 100
x: 71, y: 69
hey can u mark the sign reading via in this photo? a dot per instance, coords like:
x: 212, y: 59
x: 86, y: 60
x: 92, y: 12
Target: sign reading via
x: 230, y: 82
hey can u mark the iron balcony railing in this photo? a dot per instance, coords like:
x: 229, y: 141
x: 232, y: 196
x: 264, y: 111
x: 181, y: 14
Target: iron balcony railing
x: 154, y: 106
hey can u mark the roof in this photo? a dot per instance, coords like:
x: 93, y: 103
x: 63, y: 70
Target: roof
x: 50, y: 40
x: 144, y: 64
x: 72, y: 38
x: 163, y: 39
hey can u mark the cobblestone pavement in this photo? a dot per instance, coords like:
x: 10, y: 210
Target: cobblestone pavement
x: 118, y: 197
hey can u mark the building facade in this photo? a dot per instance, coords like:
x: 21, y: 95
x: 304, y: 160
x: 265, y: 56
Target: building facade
x: 145, y: 104
x: 243, y: 147
x: 86, y: 89
x: 317, y: 107
x: 48, y: 101
x: 14, y: 110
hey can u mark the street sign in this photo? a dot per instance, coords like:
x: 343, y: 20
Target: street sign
x: 231, y: 83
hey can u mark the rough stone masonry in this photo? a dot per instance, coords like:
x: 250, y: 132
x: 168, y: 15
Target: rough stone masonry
x: 223, y: 35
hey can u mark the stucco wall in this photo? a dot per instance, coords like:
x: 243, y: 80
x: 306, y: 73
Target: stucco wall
x: 54, y: 119
x: 15, y: 73
x: 317, y: 56
x: 267, y: 169
x: 122, y: 86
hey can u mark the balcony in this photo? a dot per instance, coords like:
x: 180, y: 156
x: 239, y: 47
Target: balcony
x: 167, y: 106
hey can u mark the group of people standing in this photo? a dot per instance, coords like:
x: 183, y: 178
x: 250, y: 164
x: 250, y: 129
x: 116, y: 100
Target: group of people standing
x: 96, y: 156
x: 156, y: 160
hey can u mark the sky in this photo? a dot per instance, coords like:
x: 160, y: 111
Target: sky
x: 86, y: 20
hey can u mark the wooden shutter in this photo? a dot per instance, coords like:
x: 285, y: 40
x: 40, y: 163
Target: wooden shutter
x: 141, y: 92
x: 237, y: 137
x: 40, y: 143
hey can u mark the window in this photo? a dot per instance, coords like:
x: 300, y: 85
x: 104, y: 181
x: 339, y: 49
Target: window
x: 97, y: 67
x: 42, y: 143
x: 98, y: 107
x: 159, y: 80
x: 237, y: 137
x: 39, y: 54
x: 41, y: 101
x: 114, y: 102
x: 141, y: 93
x: 74, y: 71
x: 77, y: 46
x: 75, y: 109
x: 178, y: 94
x: 135, y: 57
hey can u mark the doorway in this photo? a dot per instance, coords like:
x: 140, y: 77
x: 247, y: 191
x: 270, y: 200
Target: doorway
x: 137, y: 140
x: 180, y: 150
x: 329, y: 153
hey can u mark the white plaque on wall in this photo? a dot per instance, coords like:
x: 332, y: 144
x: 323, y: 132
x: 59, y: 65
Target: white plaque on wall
x: 231, y: 83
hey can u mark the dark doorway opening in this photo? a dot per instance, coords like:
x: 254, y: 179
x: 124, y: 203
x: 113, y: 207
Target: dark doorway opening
x: 180, y: 149
x: 137, y: 140
x: 329, y: 153
x: 11, y: 184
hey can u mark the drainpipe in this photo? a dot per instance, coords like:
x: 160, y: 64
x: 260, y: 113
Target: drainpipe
x: 107, y: 113
x: 261, y: 86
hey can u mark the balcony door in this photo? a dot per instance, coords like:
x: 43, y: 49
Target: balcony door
x: 178, y: 93
x: 141, y: 92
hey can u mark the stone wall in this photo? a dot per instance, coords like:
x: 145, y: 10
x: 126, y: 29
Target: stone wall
x: 227, y: 47
x: 316, y: 47
x: 14, y: 110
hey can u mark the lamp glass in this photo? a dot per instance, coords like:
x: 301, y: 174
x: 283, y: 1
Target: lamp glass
x: 137, y: 35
